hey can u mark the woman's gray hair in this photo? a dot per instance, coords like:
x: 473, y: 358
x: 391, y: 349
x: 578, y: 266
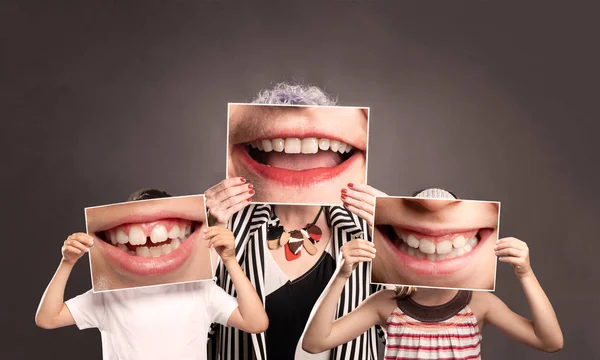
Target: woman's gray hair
x: 288, y: 94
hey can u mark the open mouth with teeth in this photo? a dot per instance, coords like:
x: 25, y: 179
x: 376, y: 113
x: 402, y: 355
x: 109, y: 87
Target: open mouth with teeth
x: 150, y: 239
x: 298, y: 161
x: 439, y: 254
x: 299, y: 154
x: 436, y: 248
x: 150, y: 248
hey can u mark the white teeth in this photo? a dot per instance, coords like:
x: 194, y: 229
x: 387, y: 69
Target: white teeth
x: 174, y: 232
x: 155, y: 251
x: 136, y: 236
x: 459, y: 242
x: 427, y: 249
x: 175, y: 244
x: 122, y: 238
x: 278, y: 145
x: 304, y: 146
x: 187, y: 231
x: 181, y: 232
x: 310, y: 146
x: 267, y: 145
x: 334, y: 145
x: 159, y: 234
x: 473, y: 241
x: 165, y: 249
x: 113, y: 237
x: 324, y: 144
x: 122, y: 247
x: 444, y: 247
x: 412, y: 241
x: 142, y: 251
x: 293, y: 146
x: 426, y: 246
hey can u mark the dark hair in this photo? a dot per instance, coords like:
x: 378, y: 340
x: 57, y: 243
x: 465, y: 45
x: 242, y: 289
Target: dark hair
x: 147, y: 194
x: 420, y: 191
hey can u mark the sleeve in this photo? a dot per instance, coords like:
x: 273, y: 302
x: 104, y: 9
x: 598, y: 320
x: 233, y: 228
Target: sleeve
x: 87, y: 310
x: 220, y: 305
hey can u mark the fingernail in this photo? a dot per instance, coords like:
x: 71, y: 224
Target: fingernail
x: 350, y: 185
x: 250, y: 186
x: 243, y: 180
x: 346, y: 204
x: 251, y: 192
x: 204, y: 230
x: 344, y: 191
x: 344, y: 196
x: 249, y: 199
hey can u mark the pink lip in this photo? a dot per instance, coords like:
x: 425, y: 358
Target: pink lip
x: 424, y: 267
x: 302, y: 178
x: 149, y: 266
x: 144, y: 218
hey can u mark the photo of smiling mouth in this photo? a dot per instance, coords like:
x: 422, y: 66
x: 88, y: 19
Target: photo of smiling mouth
x: 429, y: 252
x: 149, y: 248
x: 298, y: 161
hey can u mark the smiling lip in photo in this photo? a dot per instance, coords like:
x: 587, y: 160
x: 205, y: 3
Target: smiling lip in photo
x: 289, y: 146
x: 150, y: 246
x: 297, y: 161
x: 430, y: 252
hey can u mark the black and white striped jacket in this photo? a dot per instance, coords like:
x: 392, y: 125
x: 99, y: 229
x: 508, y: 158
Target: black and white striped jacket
x: 250, y: 229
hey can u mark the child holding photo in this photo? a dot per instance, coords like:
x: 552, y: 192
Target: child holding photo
x: 161, y: 322
x: 431, y: 323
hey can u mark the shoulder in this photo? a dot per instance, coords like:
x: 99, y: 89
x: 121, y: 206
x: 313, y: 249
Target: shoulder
x: 384, y: 302
x: 482, y: 302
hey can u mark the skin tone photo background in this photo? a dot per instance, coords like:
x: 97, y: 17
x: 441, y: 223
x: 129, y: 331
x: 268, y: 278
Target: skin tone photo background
x: 490, y: 101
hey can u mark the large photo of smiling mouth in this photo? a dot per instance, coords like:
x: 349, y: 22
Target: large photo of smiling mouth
x: 434, y: 254
x: 298, y: 161
x: 149, y: 248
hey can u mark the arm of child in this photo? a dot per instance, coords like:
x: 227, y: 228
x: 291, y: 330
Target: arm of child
x: 323, y: 333
x: 52, y: 312
x: 543, y: 331
x: 250, y: 315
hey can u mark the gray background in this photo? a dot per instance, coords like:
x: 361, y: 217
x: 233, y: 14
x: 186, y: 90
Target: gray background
x: 492, y: 101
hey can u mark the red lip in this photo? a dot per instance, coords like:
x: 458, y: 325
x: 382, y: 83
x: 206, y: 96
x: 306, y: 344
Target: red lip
x: 428, y: 268
x: 149, y: 266
x: 302, y: 178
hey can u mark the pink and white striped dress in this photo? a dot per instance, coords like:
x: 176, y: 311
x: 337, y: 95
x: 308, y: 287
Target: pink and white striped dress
x: 442, y: 332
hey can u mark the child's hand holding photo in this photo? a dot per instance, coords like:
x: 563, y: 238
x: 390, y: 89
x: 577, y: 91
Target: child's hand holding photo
x: 250, y: 316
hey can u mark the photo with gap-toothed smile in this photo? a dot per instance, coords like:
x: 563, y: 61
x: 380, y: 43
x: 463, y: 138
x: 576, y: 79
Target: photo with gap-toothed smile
x: 148, y: 242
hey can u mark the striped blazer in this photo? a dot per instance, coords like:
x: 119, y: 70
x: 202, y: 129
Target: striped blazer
x: 250, y: 229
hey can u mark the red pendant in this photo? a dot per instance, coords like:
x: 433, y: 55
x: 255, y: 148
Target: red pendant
x: 289, y: 255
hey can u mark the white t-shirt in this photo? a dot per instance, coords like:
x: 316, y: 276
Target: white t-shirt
x: 163, y: 322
